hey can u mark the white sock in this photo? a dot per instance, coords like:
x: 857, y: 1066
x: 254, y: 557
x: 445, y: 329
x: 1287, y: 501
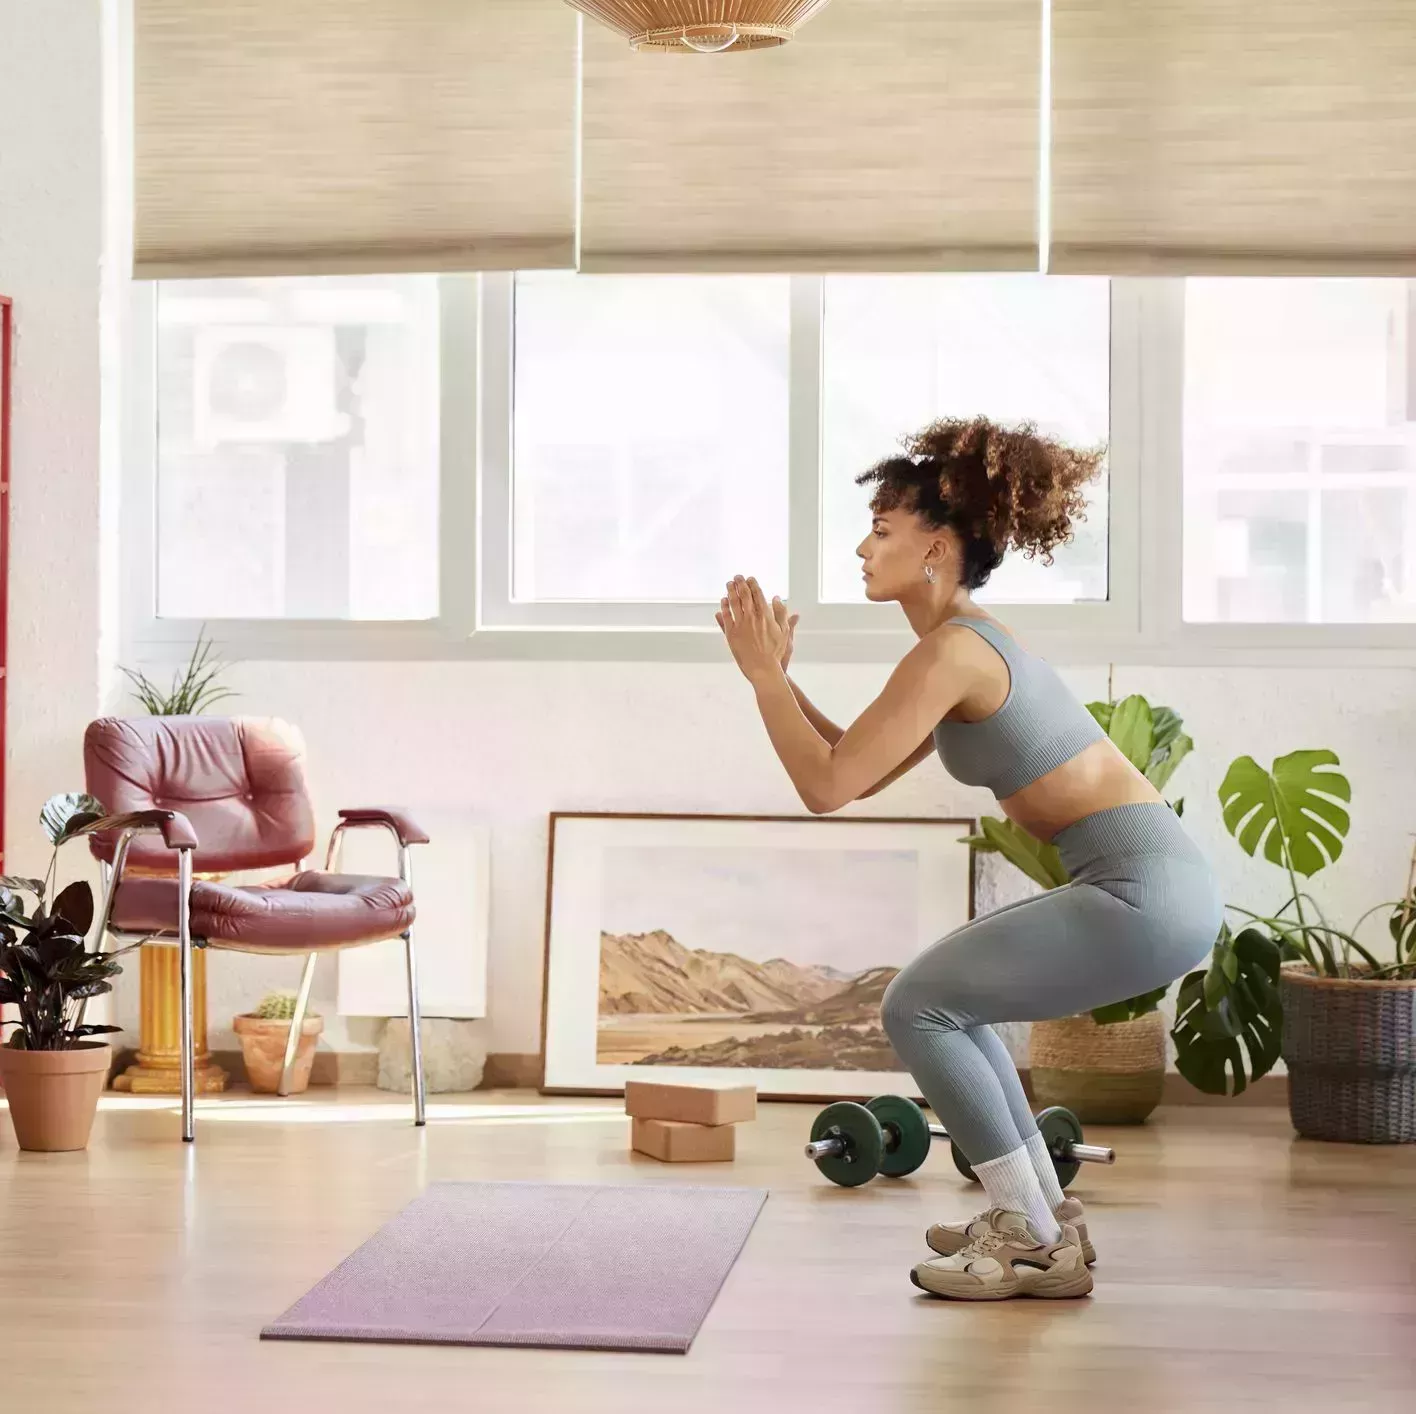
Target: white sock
x: 1011, y: 1184
x: 1045, y: 1169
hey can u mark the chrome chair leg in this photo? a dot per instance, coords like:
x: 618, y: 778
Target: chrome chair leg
x: 184, y: 943
x: 297, y: 1022
x: 415, y: 1016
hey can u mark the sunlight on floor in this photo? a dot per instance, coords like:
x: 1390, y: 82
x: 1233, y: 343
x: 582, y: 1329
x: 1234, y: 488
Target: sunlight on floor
x: 296, y: 1111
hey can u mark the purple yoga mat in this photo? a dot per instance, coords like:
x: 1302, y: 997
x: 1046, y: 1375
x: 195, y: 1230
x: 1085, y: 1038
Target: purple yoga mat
x: 546, y: 1264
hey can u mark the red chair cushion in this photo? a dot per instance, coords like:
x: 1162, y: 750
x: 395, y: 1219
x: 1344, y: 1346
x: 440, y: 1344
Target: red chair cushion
x: 305, y: 913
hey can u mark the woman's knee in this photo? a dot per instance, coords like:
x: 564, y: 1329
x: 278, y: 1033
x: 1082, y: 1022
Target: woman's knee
x: 913, y: 1003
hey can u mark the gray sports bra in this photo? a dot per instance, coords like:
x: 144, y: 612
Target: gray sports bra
x: 1039, y: 726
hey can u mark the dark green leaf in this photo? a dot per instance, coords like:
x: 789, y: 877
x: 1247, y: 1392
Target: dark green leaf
x: 1229, y: 1019
x: 75, y: 905
x: 1130, y: 1009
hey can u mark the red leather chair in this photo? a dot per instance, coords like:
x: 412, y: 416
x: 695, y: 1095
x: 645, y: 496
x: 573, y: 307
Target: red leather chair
x: 228, y: 794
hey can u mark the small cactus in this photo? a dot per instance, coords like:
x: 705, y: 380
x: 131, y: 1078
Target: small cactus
x: 276, y: 1006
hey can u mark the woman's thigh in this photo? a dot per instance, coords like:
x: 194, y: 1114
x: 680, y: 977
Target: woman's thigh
x: 1065, y: 951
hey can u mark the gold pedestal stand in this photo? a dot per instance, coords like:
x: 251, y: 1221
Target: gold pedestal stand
x: 158, y: 1069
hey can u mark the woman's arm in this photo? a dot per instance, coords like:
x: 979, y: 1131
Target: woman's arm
x: 876, y: 747
x: 828, y: 731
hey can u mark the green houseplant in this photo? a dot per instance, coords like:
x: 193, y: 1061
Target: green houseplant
x: 52, y: 1065
x: 1292, y: 983
x: 193, y: 689
x: 264, y: 1035
x: 1108, y: 1066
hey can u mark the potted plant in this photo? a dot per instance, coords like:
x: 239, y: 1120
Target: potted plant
x: 1108, y: 1065
x: 1291, y: 983
x: 265, y: 1033
x: 192, y: 691
x: 53, y: 1070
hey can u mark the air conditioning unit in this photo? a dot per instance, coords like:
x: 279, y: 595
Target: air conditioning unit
x: 265, y: 385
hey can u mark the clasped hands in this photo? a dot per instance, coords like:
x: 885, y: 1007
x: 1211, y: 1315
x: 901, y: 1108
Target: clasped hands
x: 760, y: 635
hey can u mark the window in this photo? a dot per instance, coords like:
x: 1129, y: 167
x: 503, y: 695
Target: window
x: 900, y: 351
x: 297, y: 449
x: 649, y: 440
x: 571, y: 465
x: 1300, y: 451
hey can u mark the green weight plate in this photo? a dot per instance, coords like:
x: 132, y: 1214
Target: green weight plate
x: 961, y: 1162
x: 865, y: 1143
x: 1060, y: 1128
x: 906, y: 1134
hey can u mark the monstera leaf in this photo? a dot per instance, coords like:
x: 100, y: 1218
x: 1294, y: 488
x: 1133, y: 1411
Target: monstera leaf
x: 1040, y: 862
x: 1292, y: 813
x: 64, y: 815
x: 1228, y: 1019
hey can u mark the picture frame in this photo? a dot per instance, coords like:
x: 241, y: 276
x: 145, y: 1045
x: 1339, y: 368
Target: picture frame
x: 711, y: 949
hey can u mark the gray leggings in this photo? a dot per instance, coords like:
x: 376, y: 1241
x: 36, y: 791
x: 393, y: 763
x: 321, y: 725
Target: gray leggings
x: 1143, y: 907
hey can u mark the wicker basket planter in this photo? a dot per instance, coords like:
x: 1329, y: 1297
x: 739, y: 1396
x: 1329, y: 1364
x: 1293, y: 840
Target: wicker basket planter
x: 1104, y: 1074
x: 1350, y: 1047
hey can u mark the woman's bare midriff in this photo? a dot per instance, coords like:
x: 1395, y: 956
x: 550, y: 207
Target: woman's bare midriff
x: 1096, y: 779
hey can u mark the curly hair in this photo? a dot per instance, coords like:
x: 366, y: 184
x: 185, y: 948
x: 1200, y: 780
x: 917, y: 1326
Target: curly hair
x: 1000, y: 488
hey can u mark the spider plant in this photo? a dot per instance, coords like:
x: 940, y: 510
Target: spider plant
x: 192, y: 691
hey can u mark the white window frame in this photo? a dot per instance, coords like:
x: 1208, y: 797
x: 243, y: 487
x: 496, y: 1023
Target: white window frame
x: 499, y: 612
x: 146, y: 634
x: 1140, y: 623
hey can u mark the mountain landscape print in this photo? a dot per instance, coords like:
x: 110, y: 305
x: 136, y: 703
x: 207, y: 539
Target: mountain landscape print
x: 753, y: 958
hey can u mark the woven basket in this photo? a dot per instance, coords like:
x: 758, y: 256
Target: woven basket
x: 702, y: 26
x: 1104, y: 1074
x: 1350, y: 1047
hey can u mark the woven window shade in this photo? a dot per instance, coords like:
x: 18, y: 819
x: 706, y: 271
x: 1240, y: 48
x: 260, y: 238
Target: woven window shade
x: 1234, y: 136
x: 888, y: 136
x: 325, y: 136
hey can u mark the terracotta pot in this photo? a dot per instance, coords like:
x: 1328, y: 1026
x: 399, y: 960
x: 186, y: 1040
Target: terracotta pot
x: 1111, y: 1074
x: 53, y: 1095
x: 263, y: 1044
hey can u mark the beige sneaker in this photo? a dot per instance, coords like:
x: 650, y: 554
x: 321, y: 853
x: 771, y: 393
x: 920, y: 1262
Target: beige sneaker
x: 948, y: 1238
x: 1008, y: 1260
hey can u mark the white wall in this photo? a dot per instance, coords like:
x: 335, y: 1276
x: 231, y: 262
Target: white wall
x: 511, y: 742
x: 508, y: 741
x: 50, y: 240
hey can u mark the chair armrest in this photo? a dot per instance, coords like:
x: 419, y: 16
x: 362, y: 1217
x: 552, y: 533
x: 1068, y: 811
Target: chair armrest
x: 399, y: 821
x: 176, y: 830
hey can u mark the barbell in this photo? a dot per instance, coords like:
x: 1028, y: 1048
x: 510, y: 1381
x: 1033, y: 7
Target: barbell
x: 851, y: 1143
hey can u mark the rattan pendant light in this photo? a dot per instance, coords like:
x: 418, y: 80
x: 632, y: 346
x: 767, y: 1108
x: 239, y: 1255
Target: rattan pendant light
x: 702, y: 26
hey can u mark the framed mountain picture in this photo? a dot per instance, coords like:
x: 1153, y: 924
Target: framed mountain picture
x: 703, y: 947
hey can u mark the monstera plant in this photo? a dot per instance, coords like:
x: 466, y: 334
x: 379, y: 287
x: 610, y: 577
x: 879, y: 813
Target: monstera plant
x: 1153, y: 740
x: 1229, y: 1026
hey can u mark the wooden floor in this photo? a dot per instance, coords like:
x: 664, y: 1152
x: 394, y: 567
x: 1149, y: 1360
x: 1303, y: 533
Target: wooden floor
x: 1240, y: 1269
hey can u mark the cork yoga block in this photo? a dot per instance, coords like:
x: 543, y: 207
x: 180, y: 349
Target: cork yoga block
x: 673, y: 1142
x: 691, y: 1104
